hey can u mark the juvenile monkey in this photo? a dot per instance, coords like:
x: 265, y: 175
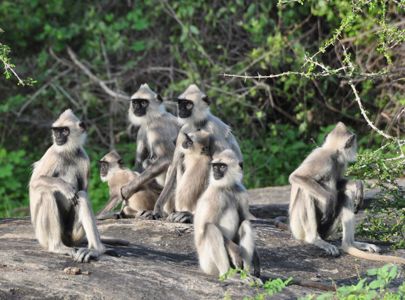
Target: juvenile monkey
x: 60, y: 210
x: 321, y: 197
x: 116, y: 175
x: 194, y: 114
x: 223, y: 234
x: 156, y: 138
x: 192, y: 175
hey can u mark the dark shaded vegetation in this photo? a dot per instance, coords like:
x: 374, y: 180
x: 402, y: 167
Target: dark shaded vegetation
x: 171, y: 44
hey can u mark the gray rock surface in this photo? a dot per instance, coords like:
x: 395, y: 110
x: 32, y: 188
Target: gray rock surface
x: 161, y: 263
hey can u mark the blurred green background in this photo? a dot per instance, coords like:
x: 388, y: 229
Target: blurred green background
x: 170, y: 44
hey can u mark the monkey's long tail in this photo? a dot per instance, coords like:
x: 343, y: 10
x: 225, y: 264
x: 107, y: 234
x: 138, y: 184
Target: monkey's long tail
x: 372, y: 256
x: 114, y: 242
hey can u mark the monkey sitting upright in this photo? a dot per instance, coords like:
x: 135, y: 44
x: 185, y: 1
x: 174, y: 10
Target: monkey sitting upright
x: 321, y: 197
x: 192, y: 175
x: 60, y: 210
x: 194, y: 114
x: 116, y: 175
x: 155, y: 141
x: 222, y: 230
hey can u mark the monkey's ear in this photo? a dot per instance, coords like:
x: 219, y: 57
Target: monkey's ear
x: 160, y: 99
x: 350, y: 141
x: 241, y: 165
x: 120, y: 162
x: 206, y: 100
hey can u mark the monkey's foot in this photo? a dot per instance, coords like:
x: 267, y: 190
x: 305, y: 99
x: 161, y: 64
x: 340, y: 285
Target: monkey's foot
x: 180, y: 217
x: 329, y: 248
x: 145, y: 214
x: 84, y: 255
x: 367, y: 247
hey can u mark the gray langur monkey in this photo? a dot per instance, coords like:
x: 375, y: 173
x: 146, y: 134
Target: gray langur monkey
x: 116, y: 175
x: 60, y: 210
x: 223, y: 234
x: 321, y: 197
x: 156, y: 138
x: 194, y: 114
x: 192, y: 175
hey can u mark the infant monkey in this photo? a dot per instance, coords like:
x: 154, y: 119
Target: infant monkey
x: 140, y: 204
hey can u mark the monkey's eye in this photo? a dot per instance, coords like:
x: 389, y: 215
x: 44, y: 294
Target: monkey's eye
x: 144, y: 103
x: 222, y: 168
x: 82, y: 126
x: 189, y: 106
x: 65, y: 131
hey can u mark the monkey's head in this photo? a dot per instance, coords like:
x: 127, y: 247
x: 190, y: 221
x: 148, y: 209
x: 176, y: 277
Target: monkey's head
x: 144, y: 102
x: 193, y: 104
x: 108, y: 164
x: 342, y: 140
x: 68, y: 132
x: 226, y: 169
x: 198, y: 142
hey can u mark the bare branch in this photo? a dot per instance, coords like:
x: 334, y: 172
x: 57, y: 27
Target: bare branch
x: 94, y: 78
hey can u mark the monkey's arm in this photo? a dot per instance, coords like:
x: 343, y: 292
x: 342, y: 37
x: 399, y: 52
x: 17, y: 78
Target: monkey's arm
x: 306, y: 177
x: 54, y: 184
x: 115, y: 199
x: 171, y: 177
x: 153, y: 170
x: 47, y: 183
x: 142, y: 152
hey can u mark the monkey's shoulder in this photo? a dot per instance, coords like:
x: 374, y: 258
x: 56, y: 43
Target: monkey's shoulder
x: 217, y: 127
x: 321, y: 156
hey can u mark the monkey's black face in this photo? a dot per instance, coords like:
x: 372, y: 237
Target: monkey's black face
x: 103, y: 168
x: 188, y: 143
x: 139, y: 106
x: 219, y: 170
x: 185, y: 108
x: 60, y: 135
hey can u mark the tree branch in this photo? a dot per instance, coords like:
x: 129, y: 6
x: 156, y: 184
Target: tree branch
x: 94, y: 78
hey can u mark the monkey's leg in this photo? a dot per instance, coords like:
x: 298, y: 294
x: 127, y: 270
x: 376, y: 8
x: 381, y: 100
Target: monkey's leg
x: 310, y: 227
x: 87, y: 220
x: 234, y: 252
x: 48, y: 227
x: 349, y: 224
x: 180, y: 217
x: 213, y: 257
x: 247, y: 244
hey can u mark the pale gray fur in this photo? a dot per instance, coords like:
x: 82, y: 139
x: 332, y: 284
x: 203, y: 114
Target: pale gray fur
x: 60, y: 210
x: 221, y: 222
x: 155, y: 141
x: 316, y: 187
x: 200, y: 119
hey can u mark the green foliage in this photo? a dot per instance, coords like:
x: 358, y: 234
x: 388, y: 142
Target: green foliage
x: 367, y: 288
x: 385, y: 220
x: 14, y: 174
x: 262, y: 290
x: 172, y: 44
x: 8, y: 66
